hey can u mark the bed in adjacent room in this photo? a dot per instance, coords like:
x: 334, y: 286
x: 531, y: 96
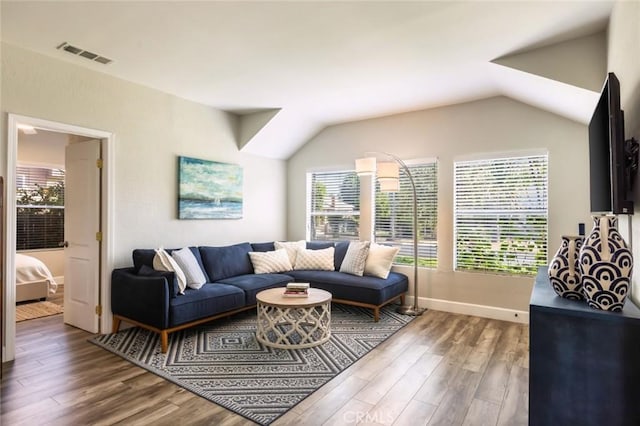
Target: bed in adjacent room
x: 33, y: 279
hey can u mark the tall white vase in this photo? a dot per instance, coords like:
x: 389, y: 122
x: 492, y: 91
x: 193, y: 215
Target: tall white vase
x: 564, y: 268
x: 606, y: 264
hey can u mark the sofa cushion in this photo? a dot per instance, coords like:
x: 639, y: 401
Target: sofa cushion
x: 209, y: 300
x: 253, y: 284
x: 341, y: 251
x: 267, y: 262
x: 321, y: 260
x: 146, y: 271
x: 190, y: 266
x: 227, y: 261
x: 319, y: 245
x: 365, y: 289
x: 355, y: 258
x: 263, y: 246
x: 380, y: 260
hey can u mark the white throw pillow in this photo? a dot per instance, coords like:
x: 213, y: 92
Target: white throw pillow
x: 379, y: 260
x: 355, y: 258
x: 265, y: 262
x: 291, y: 247
x: 320, y: 260
x: 163, y: 262
x: 189, y: 264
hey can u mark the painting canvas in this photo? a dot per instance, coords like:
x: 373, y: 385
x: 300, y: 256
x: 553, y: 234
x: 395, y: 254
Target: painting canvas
x: 209, y: 190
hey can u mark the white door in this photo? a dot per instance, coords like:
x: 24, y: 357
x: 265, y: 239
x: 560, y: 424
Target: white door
x: 81, y: 225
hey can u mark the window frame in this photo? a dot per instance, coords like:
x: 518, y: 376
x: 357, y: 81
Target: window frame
x: 28, y: 215
x: 345, y: 215
x: 518, y: 212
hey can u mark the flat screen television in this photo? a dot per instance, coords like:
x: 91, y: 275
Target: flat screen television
x: 608, y: 171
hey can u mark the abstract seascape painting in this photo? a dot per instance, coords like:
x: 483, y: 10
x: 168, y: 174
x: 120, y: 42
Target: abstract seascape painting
x: 209, y: 190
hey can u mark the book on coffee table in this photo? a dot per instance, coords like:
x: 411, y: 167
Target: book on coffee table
x: 297, y: 290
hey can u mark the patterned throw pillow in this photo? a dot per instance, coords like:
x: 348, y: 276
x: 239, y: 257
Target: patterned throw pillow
x: 266, y: 262
x: 355, y: 258
x: 189, y: 264
x: 291, y: 247
x: 379, y: 260
x: 320, y: 260
x: 163, y: 262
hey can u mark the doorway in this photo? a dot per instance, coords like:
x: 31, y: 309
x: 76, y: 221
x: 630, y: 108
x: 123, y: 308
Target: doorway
x: 40, y: 219
x: 105, y: 212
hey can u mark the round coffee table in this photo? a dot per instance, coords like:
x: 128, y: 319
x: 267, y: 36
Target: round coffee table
x: 293, y: 322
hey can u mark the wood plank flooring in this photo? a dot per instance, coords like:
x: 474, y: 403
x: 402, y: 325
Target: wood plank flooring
x: 442, y: 369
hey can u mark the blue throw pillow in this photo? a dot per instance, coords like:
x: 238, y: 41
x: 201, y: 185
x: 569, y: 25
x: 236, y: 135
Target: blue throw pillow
x: 146, y: 271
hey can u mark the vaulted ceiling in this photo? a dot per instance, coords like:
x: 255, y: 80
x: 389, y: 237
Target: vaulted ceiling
x: 289, y: 69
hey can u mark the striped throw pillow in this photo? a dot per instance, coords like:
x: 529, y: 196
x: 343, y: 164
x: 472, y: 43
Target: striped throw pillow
x: 356, y: 258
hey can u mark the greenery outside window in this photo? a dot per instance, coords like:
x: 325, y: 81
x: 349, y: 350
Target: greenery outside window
x: 40, y: 208
x: 334, y: 206
x: 501, y: 214
x: 394, y: 216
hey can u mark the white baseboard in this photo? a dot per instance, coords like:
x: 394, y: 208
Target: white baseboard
x: 484, y: 311
x: 59, y: 280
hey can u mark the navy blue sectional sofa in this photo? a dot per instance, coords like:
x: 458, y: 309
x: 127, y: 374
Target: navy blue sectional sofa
x: 150, y: 299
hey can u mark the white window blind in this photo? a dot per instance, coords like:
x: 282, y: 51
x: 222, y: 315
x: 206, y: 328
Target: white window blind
x: 394, y: 216
x: 334, y: 206
x: 40, y: 208
x: 500, y: 214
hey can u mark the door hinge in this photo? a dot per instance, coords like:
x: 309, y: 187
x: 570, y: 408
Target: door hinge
x: 99, y: 163
x: 99, y: 236
x: 99, y: 310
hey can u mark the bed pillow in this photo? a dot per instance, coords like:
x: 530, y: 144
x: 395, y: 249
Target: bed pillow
x: 146, y: 271
x: 189, y: 264
x: 354, y: 261
x: 291, y: 247
x: 163, y: 262
x: 267, y: 262
x: 379, y: 260
x: 319, y: 260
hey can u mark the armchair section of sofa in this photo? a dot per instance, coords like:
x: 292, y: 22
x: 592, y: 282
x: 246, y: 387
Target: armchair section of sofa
x: 155, y: 300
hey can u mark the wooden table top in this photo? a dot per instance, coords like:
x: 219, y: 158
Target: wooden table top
x: 276, y: 297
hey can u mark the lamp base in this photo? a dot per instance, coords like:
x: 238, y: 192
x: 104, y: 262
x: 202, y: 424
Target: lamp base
x: 413, y: 311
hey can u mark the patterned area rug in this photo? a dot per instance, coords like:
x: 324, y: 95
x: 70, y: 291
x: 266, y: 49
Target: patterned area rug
x: 223, y: 362
x: 27, y: 311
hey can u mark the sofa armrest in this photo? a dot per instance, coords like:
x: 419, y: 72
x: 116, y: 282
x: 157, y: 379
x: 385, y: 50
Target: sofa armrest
x: 140, y: 298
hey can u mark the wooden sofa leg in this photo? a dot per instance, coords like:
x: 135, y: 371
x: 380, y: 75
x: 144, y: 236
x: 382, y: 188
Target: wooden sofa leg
x: 402, y: 299
x: 164, y: 341
x: 376, y: 314
x: 116, y: 325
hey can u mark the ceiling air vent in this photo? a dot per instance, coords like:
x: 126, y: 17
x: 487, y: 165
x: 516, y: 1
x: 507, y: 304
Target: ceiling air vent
x: 84, y: 53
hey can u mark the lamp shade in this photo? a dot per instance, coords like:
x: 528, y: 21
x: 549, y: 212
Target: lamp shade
x: 388, y: 171
x: 366, y: 166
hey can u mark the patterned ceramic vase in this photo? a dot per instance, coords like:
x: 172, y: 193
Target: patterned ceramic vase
x: 606, y: 264
x: 564, y: 269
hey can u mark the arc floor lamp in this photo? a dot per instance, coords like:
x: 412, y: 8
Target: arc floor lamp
x: 388, y: 174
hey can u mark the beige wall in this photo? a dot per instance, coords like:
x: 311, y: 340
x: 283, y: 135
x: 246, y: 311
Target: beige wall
x: 151, y: 129
x: 623, y: 60
x: 492, y: 125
